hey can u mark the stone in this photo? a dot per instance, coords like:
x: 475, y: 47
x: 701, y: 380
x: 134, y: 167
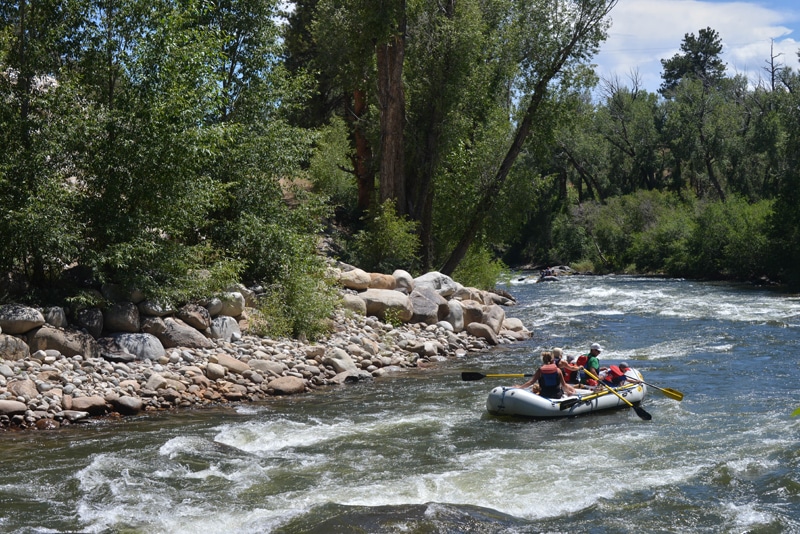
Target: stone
x: 441, y: 283
x: 354, y: 303
x: 19, y: 319
x: 404, y: 282
x: 127, y: 405
x: 122, y: 317
x: 287, y: 385
x: 225, y: 328
x: 13, y: 348
x: 428, y: 306
x: 493, y: 316
x: 94, y: 404
x: 66, y: 341
x: 383, y: 303
x: 90, y: 319
x: 12, y: 407
x: 195, y: 316
x: 233, y: 303
x: 144, y: 346
x: 176, y: 333
x: 482, y: 331
x: 382, y: 281
x: 357, y: 279
x: 232, y: 364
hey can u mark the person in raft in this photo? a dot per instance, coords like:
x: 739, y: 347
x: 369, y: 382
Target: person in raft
x: 549, y: 378
x: 591, y: 363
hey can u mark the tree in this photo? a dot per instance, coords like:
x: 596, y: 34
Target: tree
x: 699, y: 59
x: 554, y: 45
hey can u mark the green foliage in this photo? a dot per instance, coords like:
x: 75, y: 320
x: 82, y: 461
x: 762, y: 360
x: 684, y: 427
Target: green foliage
x: 387, y: 243
x: 300, y: 305
x: 699, y: 59
x: 479, y: 268
x: 326, y: 168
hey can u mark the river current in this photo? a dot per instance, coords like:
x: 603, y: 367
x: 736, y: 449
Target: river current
x: 417, y: 452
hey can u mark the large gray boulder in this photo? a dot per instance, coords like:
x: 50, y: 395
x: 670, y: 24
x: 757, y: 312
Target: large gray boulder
x: 19, y: 319
x: 90, y: 319
x: 383, y: 302
x: 195, y: 316
x: 493, y: 316
x: 428, y: 306
x: 233, y: 303
x: 441, y: 283
x: 455, y: 315
x: 142, y: 345
x: 225, y: 327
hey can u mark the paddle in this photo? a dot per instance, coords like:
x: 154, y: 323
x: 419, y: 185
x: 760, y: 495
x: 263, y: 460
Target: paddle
x: 669, y: 392
x: 468, y: 376
x: 796, y: 412
x: 638, y: 409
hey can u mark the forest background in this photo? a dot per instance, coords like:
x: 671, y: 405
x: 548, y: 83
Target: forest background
x: 178, y: 146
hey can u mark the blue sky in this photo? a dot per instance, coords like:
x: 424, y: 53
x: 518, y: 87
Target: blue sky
x: 645, y: 31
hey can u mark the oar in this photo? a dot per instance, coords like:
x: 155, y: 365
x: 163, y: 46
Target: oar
x: 638, y: 409
x: 468, y: 375
x: 669, y: 392
x: 796, y: 412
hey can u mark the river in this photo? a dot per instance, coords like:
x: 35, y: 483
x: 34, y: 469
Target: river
x: 417, y: 452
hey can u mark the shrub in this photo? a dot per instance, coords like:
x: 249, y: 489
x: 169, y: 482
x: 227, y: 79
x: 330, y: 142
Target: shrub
x: 388, y: 241
x: 479, y: 269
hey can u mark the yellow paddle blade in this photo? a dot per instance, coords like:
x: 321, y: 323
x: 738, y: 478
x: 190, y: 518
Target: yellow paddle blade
x: 796, y: 412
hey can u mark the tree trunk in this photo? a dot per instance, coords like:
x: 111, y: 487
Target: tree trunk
x: 362, y: 159
x: 391, y: 98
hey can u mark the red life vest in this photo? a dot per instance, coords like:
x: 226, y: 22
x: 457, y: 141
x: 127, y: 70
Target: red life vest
x: 550, y: 381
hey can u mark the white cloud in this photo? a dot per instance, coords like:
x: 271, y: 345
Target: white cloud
x: 645, y: 31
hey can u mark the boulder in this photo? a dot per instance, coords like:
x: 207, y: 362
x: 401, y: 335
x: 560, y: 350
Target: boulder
x: 455, y: 315
x: 404, y: 282
x: 473, y: 311
x: 482, y: 331
x: 19, y: 319
x: 382, y: 281
x: 428, y: 306
x: 380, y: 302
x: 287, y: 385
x: 441, y: 283
x: 122, y: 317
x: 339, y: 360
x: 233, y: 303
x: 23, y: 388
x: 354, y: 303
x: 195, y: 316
x: 357, y: 279
x: 176, y: 333
x: 225, y: 327
x: 13, y: 348
x: 56, y: 316
x: 513, y: 324
x: 493, y: 315
x: 67, y: 342
x: 144, y: 346
x: 90, y: 319
x: 154, y: 308
x: 231, y: 364
x: 94, y: 405
x: 12, y: 407
x: 127, y: 405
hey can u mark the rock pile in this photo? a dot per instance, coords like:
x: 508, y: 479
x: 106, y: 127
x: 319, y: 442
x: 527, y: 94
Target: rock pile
x: 53, y: 374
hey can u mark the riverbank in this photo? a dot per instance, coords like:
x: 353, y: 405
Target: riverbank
x: 47, y: 389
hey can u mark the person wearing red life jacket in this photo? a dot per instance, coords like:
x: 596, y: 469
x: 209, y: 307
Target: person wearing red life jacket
x: 614, y: 376
x: 567, y: 365
x: 549, y: 378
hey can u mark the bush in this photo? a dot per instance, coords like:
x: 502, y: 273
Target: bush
x: 479, y: 269
x: 388, y: 241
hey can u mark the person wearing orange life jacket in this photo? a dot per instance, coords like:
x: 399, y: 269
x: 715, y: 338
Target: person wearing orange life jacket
x: 615, y: 375
x: 549, y: 378
x: 567, y: 366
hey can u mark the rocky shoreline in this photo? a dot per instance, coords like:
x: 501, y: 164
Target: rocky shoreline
x: 45, y: 388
